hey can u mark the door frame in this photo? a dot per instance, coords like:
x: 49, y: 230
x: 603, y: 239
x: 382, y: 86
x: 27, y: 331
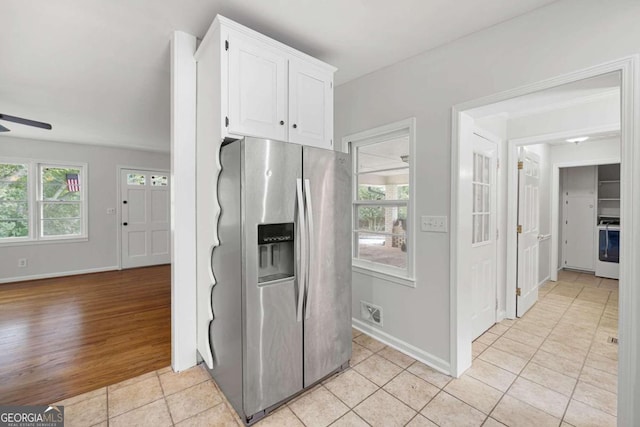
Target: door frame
x: 555, y: 191
x: 629, y: 330
x: 119, y: 169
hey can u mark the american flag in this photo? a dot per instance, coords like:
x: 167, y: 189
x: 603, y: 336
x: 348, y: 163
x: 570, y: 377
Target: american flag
x: 73, y: 184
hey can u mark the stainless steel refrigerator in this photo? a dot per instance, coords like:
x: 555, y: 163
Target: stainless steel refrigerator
x: 282, y: 299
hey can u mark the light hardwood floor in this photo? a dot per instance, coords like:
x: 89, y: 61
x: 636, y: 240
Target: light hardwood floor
x: 65, y: 336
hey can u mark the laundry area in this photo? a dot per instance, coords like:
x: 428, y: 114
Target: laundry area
x: 590, y: 219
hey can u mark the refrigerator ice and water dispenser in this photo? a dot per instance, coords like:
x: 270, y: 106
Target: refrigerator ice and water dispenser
x: 276, y: 252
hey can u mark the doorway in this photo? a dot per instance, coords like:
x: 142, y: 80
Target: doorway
x: 144, y: 225
x: 461, y: 325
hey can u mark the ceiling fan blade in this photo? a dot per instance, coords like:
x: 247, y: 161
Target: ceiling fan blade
x: 4, y: 129
x: 22, y: 121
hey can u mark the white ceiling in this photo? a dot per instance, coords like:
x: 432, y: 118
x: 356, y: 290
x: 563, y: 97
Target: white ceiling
x: 98, y: 70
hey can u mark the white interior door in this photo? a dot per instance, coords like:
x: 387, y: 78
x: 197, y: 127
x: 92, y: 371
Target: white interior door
x: 579, y: 248
x: 145, y: 218
x: 579, y: 218
x: 483, y: 236
x: 528, y: 230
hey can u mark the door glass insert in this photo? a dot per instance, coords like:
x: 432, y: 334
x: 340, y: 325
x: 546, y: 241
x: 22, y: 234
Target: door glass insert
x: 481, y: 193
x: 159, y: 181
x: 136, y: 179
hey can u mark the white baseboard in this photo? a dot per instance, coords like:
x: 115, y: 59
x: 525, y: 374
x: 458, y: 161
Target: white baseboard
x: 543, y: 280
x: 501, y: 315
x: 59, y: 274
x: 406, y: 348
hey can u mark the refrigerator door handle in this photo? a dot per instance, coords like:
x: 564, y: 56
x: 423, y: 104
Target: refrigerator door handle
x: 310, y: 253
x: 302, y: 229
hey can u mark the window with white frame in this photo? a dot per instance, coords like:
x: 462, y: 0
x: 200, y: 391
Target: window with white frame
x: 42, y: 201
x: 382, y: 179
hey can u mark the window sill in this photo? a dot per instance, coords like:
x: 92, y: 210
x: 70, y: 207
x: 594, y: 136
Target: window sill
x: 383, y: 275
x: 44, y: 242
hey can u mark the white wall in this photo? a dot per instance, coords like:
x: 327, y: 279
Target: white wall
x: 100, y: 251
x: 587, y: 152
x: 602, y: 112
x: 577, y: 34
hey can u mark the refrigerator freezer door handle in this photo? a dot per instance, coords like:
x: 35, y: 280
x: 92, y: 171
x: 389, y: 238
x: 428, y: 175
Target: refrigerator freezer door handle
x: 302, y: 270
x: 310, y: 253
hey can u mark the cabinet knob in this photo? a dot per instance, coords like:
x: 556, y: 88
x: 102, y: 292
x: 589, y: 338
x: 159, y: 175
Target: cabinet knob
x: 295, y: 126
x: 281, y: 122
x: 125, y: 224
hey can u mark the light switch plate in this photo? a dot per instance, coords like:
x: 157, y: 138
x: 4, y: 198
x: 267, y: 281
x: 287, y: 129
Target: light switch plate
x: 434, y: 224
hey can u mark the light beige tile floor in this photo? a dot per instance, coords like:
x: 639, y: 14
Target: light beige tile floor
x: 552, y: 367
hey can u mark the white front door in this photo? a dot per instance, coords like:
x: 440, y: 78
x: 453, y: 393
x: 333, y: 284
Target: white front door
x: 483, y: 236
x: 145, y: 218
x: 528, y: 230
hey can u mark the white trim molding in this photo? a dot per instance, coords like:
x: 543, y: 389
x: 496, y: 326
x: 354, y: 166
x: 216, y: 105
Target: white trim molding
x: 59, y: 274
x: 183, y: 201
x: 629, y: 330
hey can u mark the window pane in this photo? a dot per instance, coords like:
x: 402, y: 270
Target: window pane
x: 390, y: 219
x: 61, y: 183
x: 390, y: 154
x: 485, y: 170
x: 136, y: 179
x: 61, y: 227
x: 371, y: 218
x: 486, y: 228
x: 14, y: 205
x: 159, y: 181
x: 388, y: 250
x: 477, y: 167
x: 477, y: 198
x: 14, y: 228
x: 13, y: 182
x: 60, y: 210
x: 371, y: 192
x: 403, y: 191
x: 14, y: 210
x: 477, y: 228
x: 387, y: 185
x: 486, y: 190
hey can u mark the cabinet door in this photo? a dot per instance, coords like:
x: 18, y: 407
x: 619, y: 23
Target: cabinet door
x: 310, y: 105
x: 257, y: 89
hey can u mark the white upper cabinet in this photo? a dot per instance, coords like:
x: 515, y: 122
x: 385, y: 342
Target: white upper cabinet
x: 257, y: 88
x: 260, y: 87
x: 310, y: 105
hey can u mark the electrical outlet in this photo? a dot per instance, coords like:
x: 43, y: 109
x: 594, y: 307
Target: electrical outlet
x: 22, y: 262
x: 434, y: 224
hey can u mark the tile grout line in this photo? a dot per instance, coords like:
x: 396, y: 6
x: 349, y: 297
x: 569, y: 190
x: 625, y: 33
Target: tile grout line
x: 164, y: 397
x: 137, y: 407
x: 584, y: 364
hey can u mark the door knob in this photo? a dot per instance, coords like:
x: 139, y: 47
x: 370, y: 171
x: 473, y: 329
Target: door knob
x: 125, y: 223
